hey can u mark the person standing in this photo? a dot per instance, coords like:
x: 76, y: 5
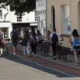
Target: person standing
x: 34, y: 43
x: 15, y: 39
x: 54, y: 43
x: 26, y: 43
x: 75, y: 43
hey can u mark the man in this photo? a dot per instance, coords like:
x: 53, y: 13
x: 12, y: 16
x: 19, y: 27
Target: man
x: 15, y: 39
x: 1, y: 41
x: 54, y: 40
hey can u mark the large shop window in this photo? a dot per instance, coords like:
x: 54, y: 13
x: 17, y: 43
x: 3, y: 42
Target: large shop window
x: 66, y: 24
x: 5, y: 30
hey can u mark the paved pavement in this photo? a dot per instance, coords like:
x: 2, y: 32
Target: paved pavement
x: 62, y: 65
x: 19, y: 69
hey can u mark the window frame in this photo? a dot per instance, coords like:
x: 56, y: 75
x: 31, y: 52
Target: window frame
x: 1, y: 14
x: 66, y: 21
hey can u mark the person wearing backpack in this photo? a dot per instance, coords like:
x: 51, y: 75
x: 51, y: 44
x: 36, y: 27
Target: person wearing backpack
x: 15, y: 39
x: 54, y: 43
x: 34, y: 42
x: 75, y: 43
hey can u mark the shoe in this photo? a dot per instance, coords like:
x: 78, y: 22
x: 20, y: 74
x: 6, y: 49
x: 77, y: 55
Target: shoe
x: 34, y: 55
x: 76, y: 63
x: 54, y: 58
x: 14, y: 56
x: 1, y: 55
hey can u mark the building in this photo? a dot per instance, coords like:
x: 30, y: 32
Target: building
x: 5, y: 24
x: 8, y: 19
x: 64, y: 15
x: 41, y: 15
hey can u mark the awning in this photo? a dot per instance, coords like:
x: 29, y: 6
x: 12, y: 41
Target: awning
x: 20, y: 24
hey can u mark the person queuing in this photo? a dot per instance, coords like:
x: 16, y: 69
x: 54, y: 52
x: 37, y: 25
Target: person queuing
x: 26, y: 43
x: 34, y: 42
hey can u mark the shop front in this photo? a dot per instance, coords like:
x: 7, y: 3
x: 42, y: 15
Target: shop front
x: 23, y: 26
x: 6, y: 28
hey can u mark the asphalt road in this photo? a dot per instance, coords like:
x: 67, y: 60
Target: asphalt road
x: 19, y: 69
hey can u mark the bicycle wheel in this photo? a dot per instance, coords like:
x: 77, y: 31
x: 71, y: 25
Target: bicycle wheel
x: 5, y: 51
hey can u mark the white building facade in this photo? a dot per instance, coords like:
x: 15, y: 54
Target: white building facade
x: 7, y: 18
x: 41, y: 15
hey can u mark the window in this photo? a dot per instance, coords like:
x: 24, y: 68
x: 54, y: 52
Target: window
x: 35, y: 12
x: 19, y: 18
x: 66, y: 25
x: 5, y: 30
x: 44, y: 12
x: 0, y: 13
x: 36, y: 19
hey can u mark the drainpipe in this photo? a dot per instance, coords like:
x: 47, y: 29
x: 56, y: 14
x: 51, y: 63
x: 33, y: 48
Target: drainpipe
x: 46, y: 16
x: 70, y: 15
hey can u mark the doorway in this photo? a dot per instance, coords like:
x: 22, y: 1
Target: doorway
x: 53, y: 17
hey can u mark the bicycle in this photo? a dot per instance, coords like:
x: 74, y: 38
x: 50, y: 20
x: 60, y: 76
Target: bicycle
x: 46, y: 48
x: 61, y: 51
x: 5, y: 50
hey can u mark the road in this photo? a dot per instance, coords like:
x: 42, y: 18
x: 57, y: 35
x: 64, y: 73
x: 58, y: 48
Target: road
x: 19, y: 69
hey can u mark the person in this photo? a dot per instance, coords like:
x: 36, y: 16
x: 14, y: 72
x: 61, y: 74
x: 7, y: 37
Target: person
x: 15, y: 39
x: 48, y: 34
x: 34, y: 43
x: 26, y: 43
x: 60, y: 38
x: 75, y: 43
x: 1, y: 42
x: 39, y: 37
x: 54, y: 40
x: 49, y: 41
x: 39, y: 40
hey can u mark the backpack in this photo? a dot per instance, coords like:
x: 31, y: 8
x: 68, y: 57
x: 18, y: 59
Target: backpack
x: 34, y: 40
x: 15, y: 35
x: 40, y: 37
x: 54, y: 38
x: 76, y: 42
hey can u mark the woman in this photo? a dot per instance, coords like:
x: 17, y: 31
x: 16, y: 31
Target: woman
x: 48, y: 34
x: 33, y: 43
x: 75, y: 39
x: 26, y: 43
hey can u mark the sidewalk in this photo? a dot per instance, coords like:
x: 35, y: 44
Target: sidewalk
x: 62, y: 65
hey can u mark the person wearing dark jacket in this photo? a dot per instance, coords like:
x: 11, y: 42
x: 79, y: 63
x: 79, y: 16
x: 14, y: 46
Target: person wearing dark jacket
x: 33, y: 43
